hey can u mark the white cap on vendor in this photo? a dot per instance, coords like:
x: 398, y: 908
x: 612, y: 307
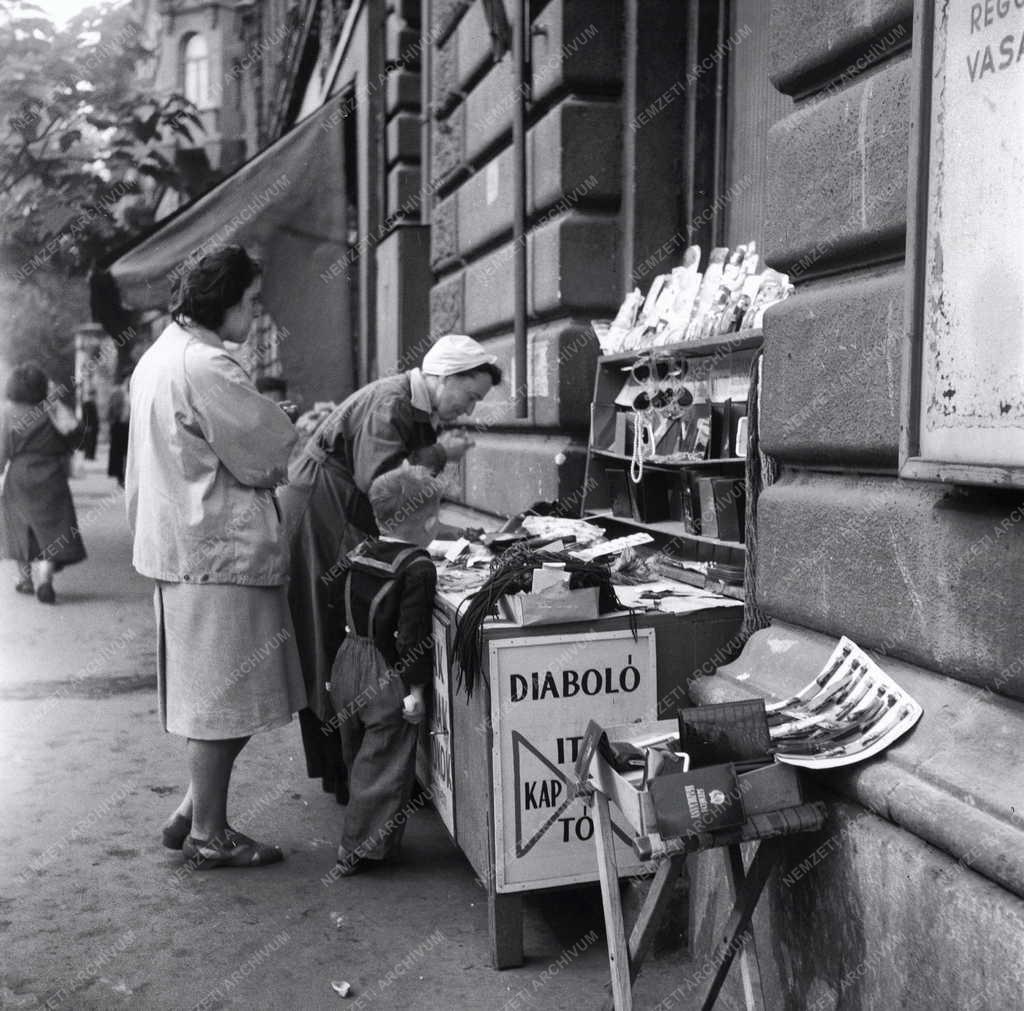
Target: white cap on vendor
x: 455, y: 352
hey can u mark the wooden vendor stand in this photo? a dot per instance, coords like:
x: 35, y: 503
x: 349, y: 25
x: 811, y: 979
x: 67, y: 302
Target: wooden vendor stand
x: 499, y: 765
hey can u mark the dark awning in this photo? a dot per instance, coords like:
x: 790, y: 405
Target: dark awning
x: 294, y: 188
x: 287, y: 206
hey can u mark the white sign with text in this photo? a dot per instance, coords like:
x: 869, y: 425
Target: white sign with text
x: 544, y: 691
x: 972, y: 382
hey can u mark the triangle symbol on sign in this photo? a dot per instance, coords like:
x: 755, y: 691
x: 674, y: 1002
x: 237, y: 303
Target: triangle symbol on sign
x: 523, y: 847
x: 519, y: 742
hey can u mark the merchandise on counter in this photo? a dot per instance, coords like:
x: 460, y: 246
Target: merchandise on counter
x: 631, y: 568
x: 731, y: 295
x: 613, y: 547
x: 563, y: 528
x: 682, y: 798
x: 512, y: 573
x: 555, y: 605
x: 459, y: 581
x: 851, y: 711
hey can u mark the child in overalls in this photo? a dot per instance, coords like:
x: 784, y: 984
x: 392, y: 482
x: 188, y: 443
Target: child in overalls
x: 386, y: 660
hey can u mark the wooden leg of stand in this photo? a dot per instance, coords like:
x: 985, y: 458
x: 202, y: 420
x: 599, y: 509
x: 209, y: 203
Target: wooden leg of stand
x: 505, y: 919
x: 649, y: 917
x: 768, y: 854
x: 618, y: 952
x: 750, y: 970
x: 651, y: 912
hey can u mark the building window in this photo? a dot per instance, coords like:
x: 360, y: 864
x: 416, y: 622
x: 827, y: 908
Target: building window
x: 195, y: 70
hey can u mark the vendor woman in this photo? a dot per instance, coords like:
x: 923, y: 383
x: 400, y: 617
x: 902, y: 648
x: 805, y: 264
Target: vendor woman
x: 390, y: 421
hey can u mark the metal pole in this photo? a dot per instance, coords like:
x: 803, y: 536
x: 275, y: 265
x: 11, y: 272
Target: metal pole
x: 521, y: 35
x: 629, y: 110
x: 426, y: 56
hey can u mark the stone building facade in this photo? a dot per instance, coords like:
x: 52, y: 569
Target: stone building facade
x: 234, y: 62
x: 914, y: 888
x: 912, y: 896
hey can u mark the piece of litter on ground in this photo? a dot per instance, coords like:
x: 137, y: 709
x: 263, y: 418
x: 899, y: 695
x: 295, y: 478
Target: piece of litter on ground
x: 120, y: 986
x: 341, y: 988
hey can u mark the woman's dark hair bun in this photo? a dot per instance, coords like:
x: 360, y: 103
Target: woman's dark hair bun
x: 211, y: 286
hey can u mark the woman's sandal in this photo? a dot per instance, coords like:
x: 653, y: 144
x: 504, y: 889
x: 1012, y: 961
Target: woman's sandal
x: 240, y: 851
x: 25, y: 586
x: 176, y: 830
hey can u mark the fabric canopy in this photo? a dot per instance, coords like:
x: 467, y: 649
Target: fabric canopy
x: 288, y: 207
x: 294, y: 189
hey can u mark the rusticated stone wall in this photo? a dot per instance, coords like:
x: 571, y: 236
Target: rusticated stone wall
x: 574, y: 187
x: 911, y: 896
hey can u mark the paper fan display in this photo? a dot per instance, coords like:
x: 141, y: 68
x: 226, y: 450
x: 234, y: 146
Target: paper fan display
x: 851, y: 711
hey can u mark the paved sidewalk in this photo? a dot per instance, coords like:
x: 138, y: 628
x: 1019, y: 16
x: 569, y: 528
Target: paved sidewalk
x: 94, y: 913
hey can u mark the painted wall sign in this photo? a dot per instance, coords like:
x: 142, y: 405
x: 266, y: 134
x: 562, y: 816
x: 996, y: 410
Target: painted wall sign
x: 964, y: 388
x: 544, y: 691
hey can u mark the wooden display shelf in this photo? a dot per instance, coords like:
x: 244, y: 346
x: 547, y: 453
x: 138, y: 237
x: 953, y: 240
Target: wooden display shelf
x: 722, y: 343
x: 722, y: 364
x: 672, y: 528
x: 669, y: 464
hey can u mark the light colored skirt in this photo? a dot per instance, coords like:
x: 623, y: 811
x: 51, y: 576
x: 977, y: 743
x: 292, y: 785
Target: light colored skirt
x: 226, y: 659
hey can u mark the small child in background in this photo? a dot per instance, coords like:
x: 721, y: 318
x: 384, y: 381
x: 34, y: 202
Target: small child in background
x: 385, y: 662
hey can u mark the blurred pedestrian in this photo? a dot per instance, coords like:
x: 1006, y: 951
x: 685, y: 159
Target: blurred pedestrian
x: 118, y: 415
x: 205, y: 452
x: 37, y: 436
x: 89, y: 414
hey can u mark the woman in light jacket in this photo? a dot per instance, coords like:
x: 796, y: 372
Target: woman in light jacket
x: 205, y: 453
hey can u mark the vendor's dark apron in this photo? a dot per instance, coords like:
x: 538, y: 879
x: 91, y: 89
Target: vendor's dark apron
x: 320, y: 533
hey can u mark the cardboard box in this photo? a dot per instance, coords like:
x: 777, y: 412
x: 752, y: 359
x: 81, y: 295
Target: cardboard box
x: 593, y: 767
x: 556, y: 607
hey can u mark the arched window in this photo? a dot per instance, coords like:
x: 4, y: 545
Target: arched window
x: 195, y: 63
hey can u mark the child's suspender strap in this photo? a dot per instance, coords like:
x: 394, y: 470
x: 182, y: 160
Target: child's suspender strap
x: 395, y: 568
x: 375, y: 603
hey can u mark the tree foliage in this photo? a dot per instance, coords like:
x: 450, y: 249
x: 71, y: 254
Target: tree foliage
x: 79, y: 144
